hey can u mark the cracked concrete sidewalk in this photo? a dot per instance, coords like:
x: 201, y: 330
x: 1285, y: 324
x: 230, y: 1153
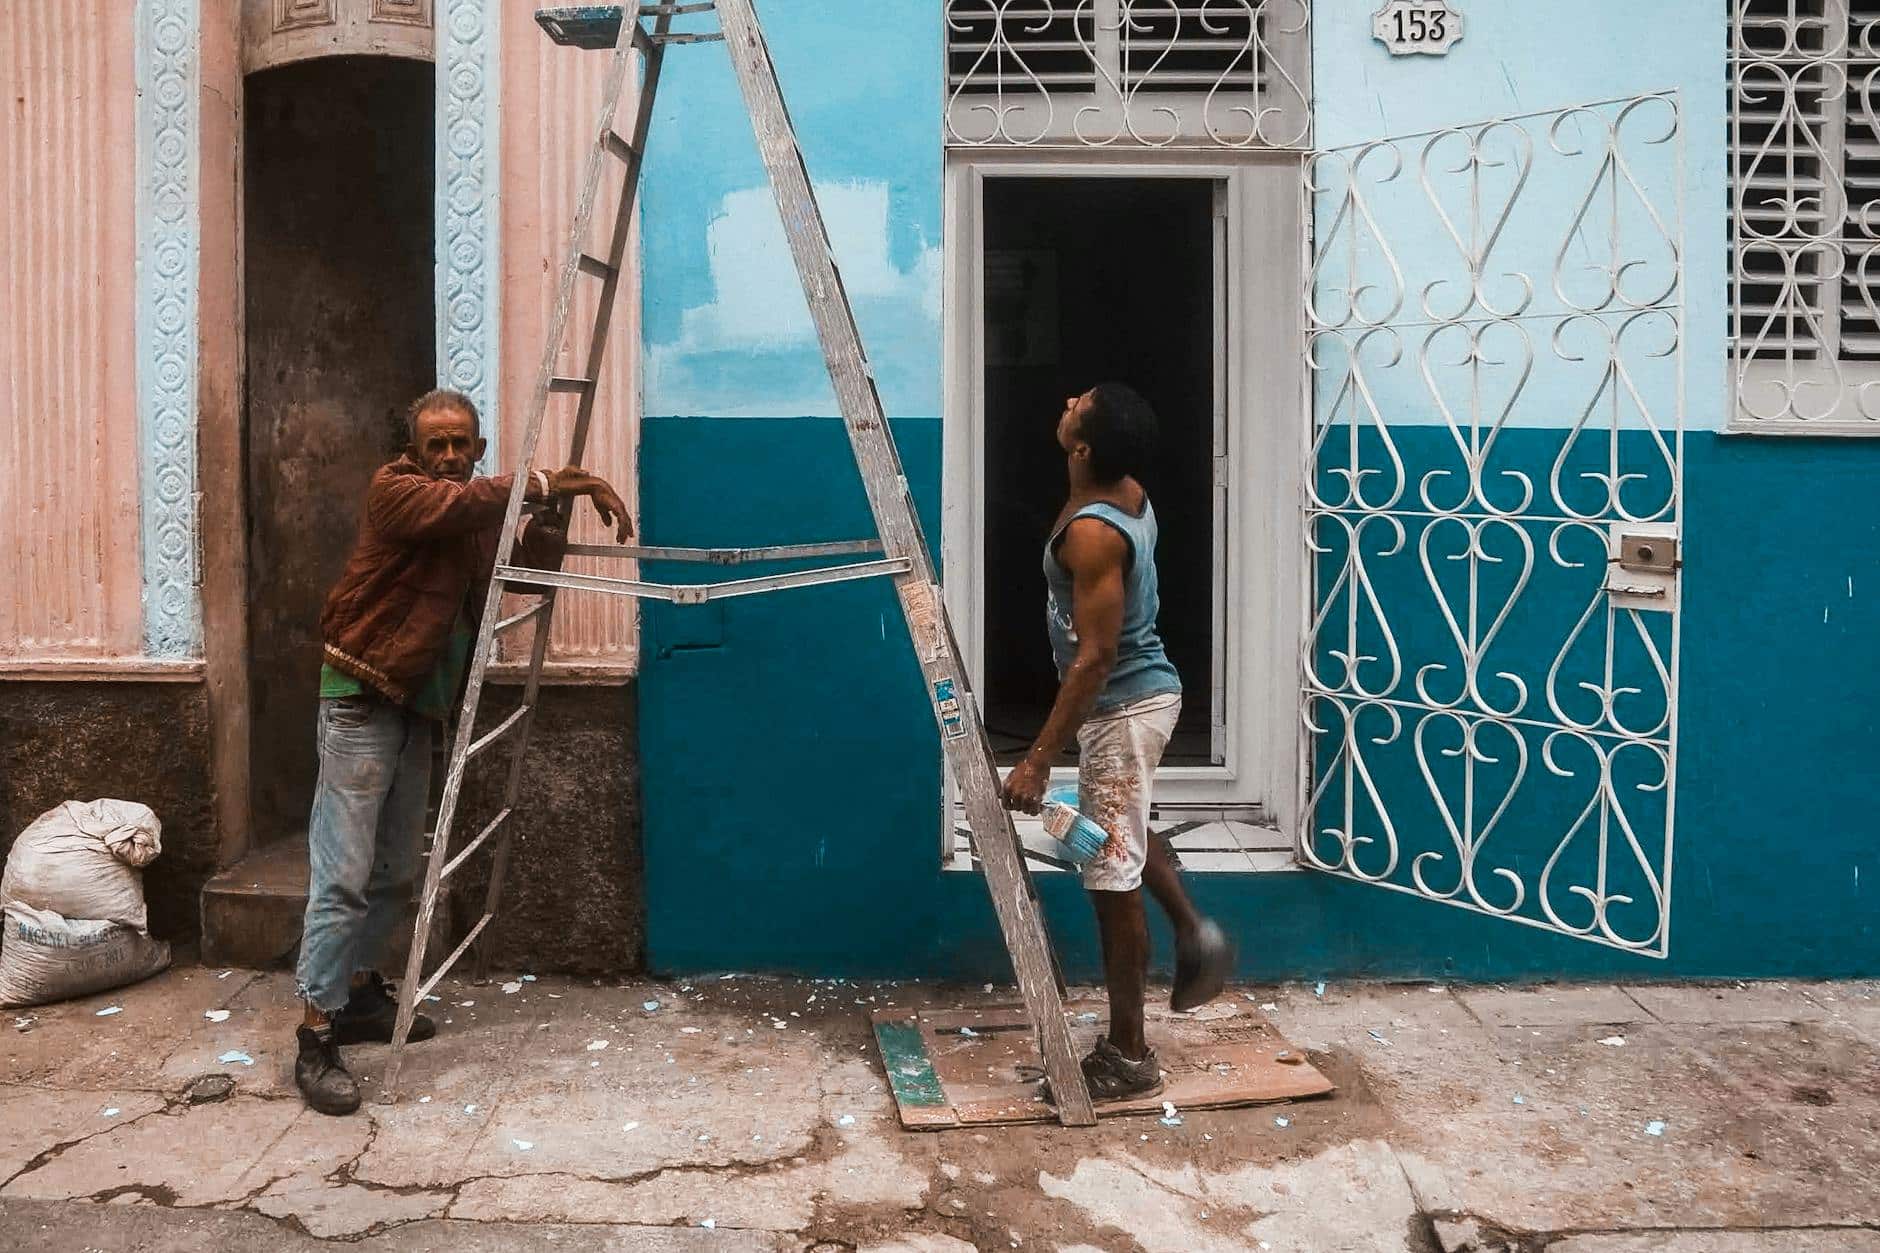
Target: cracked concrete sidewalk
x: 744, y: 1113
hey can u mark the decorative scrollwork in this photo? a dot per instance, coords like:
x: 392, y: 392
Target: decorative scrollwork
x: 1141, y: 73
x: 1495, y: 338
x: 169, y: 134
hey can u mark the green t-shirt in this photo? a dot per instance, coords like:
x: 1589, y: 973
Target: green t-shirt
x: 437, y: 699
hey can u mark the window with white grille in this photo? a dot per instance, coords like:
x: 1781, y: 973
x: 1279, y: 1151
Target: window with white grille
x: 1805, y: 215
x: 1132, y: 73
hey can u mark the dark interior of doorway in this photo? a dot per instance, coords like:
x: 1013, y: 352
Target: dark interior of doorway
x: 340, y: 338
x: 1090, y: 280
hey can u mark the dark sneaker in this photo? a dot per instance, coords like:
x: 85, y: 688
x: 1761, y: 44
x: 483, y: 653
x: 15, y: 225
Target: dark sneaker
x: 371, y: 1013
x: 1113, y: 1077
x: 1201, y: 967
x: 322, y: 1078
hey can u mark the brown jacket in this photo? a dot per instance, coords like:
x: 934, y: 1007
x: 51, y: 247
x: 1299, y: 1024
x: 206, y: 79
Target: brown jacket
x: 425, y: 551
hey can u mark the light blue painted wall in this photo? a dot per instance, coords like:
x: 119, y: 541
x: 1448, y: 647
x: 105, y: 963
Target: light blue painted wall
x: 1520, y: 59
x: 727, y: 333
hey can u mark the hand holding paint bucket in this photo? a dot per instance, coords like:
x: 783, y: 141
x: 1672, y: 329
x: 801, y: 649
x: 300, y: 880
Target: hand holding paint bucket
x: 1082, y: 839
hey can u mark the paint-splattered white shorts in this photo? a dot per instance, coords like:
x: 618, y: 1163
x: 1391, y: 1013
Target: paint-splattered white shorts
x: 1118, y: 754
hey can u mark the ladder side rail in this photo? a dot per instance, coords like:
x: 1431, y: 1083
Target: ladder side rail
x: 512, y: 787
x: 1013, y: 894
x: 654, y: 60
x: 654, y: 56
x: 486, y: 634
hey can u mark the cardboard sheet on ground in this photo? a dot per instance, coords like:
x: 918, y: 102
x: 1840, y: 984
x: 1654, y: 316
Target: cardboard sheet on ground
x: 967, y: 1067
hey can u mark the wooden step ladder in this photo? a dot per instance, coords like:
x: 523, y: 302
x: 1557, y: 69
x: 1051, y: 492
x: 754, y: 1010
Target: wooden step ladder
x: 902, y: 552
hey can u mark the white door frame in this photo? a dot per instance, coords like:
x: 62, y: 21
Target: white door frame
x: 1266, y: 446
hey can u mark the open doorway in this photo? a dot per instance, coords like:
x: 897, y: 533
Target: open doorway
x: 340, y: 338
x: 1088, y: 280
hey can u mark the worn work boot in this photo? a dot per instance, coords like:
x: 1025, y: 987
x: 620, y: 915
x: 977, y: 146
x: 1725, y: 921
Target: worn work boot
x: 322, y: 1078
x: 1201, y: 967
x: 1113, y: 1077
x: 371, y: 1013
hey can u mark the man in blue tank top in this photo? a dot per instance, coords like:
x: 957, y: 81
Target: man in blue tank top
x: 1120, y: 697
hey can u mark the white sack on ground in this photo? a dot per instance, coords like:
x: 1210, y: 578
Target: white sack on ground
x: 44, y: 957
x: 81, y: 860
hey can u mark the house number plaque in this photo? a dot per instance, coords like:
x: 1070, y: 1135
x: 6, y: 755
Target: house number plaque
x: 1409, y: 27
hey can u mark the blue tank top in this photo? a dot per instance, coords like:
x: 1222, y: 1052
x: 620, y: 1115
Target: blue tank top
x: 1142, y: 666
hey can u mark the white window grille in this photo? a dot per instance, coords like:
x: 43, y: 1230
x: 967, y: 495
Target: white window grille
x: 1805, y: 216
x: 1133, y: 73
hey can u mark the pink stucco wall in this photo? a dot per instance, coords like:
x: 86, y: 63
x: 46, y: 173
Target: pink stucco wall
x: 68, y: 401
x: 69, y: 518
x: 549, y: 98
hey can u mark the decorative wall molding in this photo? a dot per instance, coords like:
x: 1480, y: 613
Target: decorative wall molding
x: 407, y: 12
x: 282, y: 32
x: 294, y: 14
x: 468, y: 339
x: 169, y: 73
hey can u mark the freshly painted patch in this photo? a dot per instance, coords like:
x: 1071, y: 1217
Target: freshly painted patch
x: 726, y: 330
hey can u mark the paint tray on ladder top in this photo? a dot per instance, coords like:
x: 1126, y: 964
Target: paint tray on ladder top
x: 942, y: 1076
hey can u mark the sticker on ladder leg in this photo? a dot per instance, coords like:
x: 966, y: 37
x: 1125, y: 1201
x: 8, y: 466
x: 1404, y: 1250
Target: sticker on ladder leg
x: 947, y: 705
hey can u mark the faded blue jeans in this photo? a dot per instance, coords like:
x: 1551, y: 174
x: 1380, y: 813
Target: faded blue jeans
x: 363, y: 840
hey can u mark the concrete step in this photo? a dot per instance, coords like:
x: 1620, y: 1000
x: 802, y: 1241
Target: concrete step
x: 252, y: 912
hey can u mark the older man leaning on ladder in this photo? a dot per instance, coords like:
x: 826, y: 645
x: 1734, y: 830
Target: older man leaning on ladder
x: 397, y: 631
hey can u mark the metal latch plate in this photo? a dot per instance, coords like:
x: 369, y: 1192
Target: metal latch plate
x: 1648, y: 554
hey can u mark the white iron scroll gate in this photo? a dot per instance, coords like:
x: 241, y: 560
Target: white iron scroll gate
x: 1492, y: 512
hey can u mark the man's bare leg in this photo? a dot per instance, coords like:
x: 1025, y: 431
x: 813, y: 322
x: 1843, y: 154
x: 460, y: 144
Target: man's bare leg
x: 1203, y: 954
x: 1163, y: 879
x: 1124, y: 929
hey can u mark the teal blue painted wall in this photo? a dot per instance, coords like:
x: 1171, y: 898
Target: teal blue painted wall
x: 791, y: 772
x: 791, y: 769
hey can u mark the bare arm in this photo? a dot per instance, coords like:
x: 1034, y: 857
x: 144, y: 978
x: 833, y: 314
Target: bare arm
x: 1095, y: 555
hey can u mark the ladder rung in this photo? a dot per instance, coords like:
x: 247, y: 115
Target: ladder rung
x: 699, y: 593
x: 594, y: 266
x: 503, y: 728
x: 619, y: 145
x: 561, y: 383
x: 443, y: 968
x: 702, y: 37
x: 517, y: 619
x: 463, y: 854
x: 677, y: 10
x: 725, y: 556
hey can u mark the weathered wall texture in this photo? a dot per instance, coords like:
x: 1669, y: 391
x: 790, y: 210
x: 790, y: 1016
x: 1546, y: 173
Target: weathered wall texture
x: 146, y: 742
x: 274, y: 33
x: 573, y: 898
x: 340, y: 341
x: 550, y: 98
x: 68, y: 407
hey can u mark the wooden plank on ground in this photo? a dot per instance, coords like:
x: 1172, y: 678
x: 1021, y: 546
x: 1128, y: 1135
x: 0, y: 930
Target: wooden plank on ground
x: 972, y: 1067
